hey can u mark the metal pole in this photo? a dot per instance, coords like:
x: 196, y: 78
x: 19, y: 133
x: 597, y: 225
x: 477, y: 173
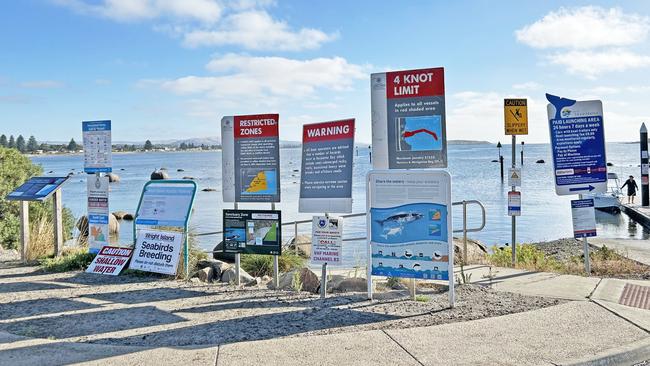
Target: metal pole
x: 464, y: 232
x: 295, y: 237
x: 645, y: 193
x: 276, y: 264
x: 24, y: 229
x: 514, y: 219
x: 58, y: 222
x: 412, y: 289
x: 585, y: 246
x: 500, y: 159
x: 237, y: 260
x: 522, y: 153
x: 323, y: 281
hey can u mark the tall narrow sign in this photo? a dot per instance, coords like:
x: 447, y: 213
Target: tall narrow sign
x: 98, y: 212
x: 578, y: 144
x: 251, y: 159
x: 326, y: 174
x: 97, y: 146
x: 408, y: 119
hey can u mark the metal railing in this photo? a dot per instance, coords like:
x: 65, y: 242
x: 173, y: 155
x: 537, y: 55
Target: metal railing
x: 464, y: 230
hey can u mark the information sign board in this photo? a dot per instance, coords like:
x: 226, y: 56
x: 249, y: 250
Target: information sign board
x: 36, y: 189
x: 252, y: 231
x: 584, y: 218
x: 110, y: 261
x: 514, y: 203
x: 326, y: 240
x: 157, y: 251
x: 97, y: 146
x: 98, y: 212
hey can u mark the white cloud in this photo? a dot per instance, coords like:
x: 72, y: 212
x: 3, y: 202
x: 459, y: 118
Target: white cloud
x: 257, y: 30
x: 130, y: 10
x: 584, y: 28
x: 255, y: 77
x: 42, y: 84
x: 529, y: 85
x: 592, y: 63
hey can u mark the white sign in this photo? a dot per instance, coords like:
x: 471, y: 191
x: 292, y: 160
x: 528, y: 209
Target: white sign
x: 157, y: 251
x: 514, y: 203
x: 409, y: 224
x: 110, y: 261
x: 514, y: 177
x: 97, y: 146
x: 584, y: 218
x: 165, y: 204
x: 326, y: 237
x: 98, y: 212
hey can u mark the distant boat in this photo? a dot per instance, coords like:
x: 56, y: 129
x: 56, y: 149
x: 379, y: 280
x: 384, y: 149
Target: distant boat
x: 610, y: 201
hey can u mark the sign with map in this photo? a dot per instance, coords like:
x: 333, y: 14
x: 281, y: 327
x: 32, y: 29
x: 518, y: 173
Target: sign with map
x: 326, y: 174
x: 251, y: 158
x: 408, y: 119
x: 409, y: 223
x: 97, y: 146
x: 36, y: 189
x: 252, y: 232
x: 98, y: 212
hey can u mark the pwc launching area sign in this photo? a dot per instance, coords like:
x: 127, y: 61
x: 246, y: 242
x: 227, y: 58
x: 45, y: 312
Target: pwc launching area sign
x: 408, y: 119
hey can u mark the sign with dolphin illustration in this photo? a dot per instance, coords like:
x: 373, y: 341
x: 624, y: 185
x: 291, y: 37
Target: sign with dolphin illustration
x: 409, y: 221
x: 578, y: 144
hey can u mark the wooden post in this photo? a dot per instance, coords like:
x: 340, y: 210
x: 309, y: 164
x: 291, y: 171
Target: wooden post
x: 58, y: 222
x: 24, y: 229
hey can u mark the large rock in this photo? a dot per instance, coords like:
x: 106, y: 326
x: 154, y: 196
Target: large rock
x: 113, y: 225
x: 354, y: 284
x: 218, y: 267
x: 476, y: 251
x: 308, y: 280
x: 540, y: 161
x: 127, y: 217
x: 303, y: 243
x: 159, y: 175
x: 220, y: 255
x: 119, y: 214
x: 113, y: 178
x: 230, y: 276
x: 206, y: 274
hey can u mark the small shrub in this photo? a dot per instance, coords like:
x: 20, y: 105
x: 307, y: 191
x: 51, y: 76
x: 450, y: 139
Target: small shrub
x: 70, y: 260
x: 259, y: 265
x: 393, y: 282
x: 422, y: 298
x: 528, y: 257
x: 296, y: 282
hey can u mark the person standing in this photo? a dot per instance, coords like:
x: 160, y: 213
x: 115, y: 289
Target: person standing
x: 631, y: 189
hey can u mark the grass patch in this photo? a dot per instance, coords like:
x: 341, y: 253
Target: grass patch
x: 529, y: 257
x: 422, y: 298
x: 259, y: 265
x: 76, y: 259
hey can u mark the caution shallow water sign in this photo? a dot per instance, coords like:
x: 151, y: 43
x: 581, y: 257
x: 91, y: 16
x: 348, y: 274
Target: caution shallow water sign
x: 110, y: 260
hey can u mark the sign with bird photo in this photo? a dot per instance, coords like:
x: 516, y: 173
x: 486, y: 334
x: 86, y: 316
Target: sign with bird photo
x: 516, y: 116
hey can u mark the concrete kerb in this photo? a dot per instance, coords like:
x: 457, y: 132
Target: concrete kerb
x: 630, y: 354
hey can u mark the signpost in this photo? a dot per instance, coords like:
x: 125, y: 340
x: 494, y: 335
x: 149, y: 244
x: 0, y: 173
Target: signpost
x: 515, y: 113
x: 38, y: 189
x: 251, y: 158
x: 326, y: 174
x: 98, y: 212
x: 409, y: 225
x: 578, y: 144
x: 110, y: 261
x: 164, y: 203
x: 408, y: 119
x: 645, y: 192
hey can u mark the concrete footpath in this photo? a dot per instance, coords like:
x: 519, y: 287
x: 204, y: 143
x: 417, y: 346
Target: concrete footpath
x: 592, y: 328
x: 635, y: 249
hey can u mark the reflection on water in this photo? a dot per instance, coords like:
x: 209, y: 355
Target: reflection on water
x: 619, y: 226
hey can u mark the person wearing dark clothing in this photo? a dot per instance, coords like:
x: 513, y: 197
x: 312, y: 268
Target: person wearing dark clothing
x: 631, y: 189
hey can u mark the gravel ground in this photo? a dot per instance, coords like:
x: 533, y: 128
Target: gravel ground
x: 127, y: 310
x: 562, y: 249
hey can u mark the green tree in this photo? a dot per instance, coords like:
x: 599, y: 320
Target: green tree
x: 20, y: 143
x: 12, y: 142
x: 15, y: 169
x: 32, y: 144
x: 3, y: 141
x: 72, y: 145
x: 148, y: 145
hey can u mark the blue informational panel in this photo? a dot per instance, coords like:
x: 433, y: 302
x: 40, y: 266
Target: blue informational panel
x: 97, y: 146
x: 36, y: 189
x: 578, y: 143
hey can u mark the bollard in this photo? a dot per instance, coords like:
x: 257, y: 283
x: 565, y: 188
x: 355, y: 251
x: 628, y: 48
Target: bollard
x: 276, y: 272
x: 412, y: 289
x: 237, y: 267
x: 522, y: 153
x: 645, y: 191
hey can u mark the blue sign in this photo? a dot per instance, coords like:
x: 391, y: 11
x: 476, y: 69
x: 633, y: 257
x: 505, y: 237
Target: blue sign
x: 36, y: 189
x: 578, y: 144
x: 97, y: 146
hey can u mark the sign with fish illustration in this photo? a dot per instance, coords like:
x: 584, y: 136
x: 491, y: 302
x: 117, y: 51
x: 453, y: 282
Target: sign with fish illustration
x: 408, y: 119
x: 326, y: 240
x: 251, y: 158
x: 515, y: 112
x: 409, y: 221
x: 326, y: 174
x: 578, y: 144
x: 252, y: 232
x: 98, y: 212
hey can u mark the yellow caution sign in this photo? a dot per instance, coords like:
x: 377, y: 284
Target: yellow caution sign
x: 516, y: 116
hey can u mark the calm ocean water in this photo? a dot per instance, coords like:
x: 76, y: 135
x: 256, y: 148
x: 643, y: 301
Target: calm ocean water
x: 544, y: 215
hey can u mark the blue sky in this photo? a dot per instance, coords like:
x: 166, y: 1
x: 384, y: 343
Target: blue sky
x: 164, y: 69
